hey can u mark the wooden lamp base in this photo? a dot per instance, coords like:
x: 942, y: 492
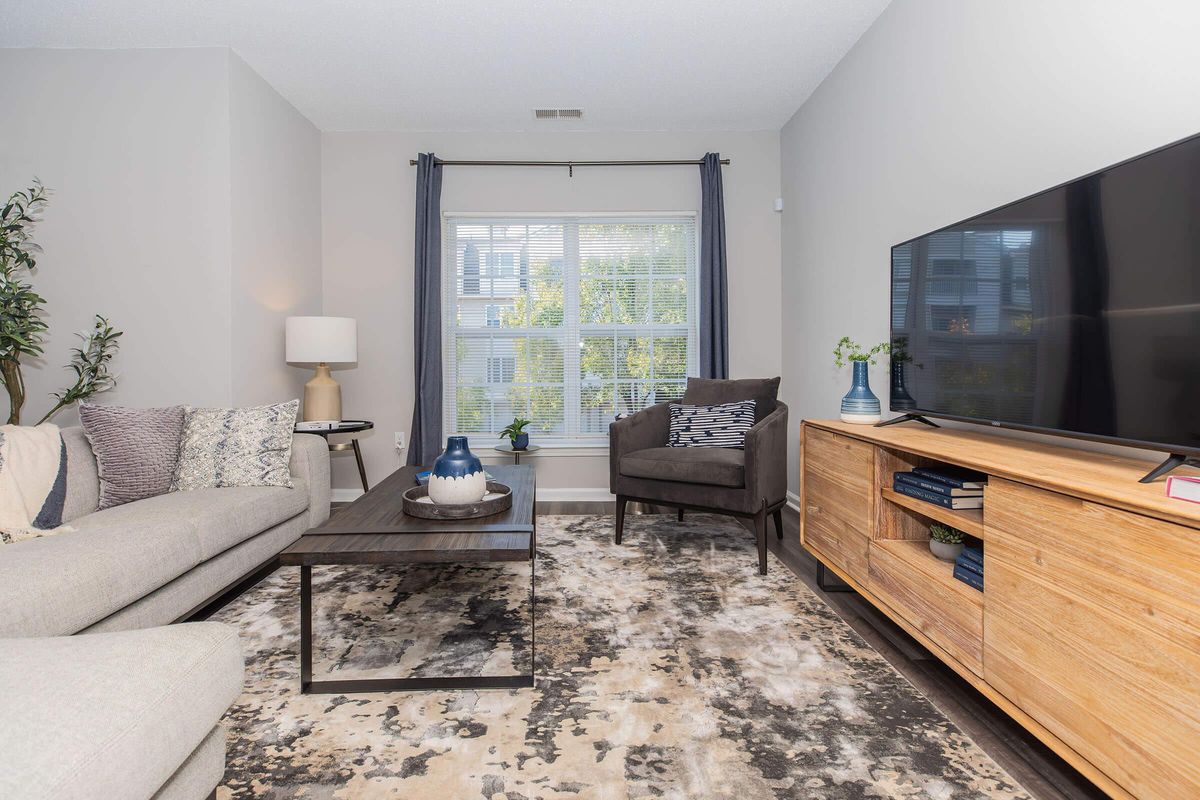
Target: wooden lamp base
x: 322, y: 397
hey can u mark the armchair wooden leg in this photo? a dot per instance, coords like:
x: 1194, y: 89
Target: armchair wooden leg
x: 621, y: 501
x: 681, y: 515
x: 760, y: 533
x: 777, y: 515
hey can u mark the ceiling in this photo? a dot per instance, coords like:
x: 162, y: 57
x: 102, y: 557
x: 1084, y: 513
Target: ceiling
x: 474, y: 65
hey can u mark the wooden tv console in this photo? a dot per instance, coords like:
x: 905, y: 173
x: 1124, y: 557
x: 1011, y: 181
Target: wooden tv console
x: 1088, y: 630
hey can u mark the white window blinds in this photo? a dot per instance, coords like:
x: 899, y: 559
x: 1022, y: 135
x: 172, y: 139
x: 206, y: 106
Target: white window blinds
x: 565, y: 320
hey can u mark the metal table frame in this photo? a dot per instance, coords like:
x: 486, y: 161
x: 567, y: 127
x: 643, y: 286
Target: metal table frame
x: 352, y: 685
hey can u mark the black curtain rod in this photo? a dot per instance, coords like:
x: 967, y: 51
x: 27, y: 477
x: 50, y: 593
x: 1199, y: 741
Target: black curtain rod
x: 572, y: 164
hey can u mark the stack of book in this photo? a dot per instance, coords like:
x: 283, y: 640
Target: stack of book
x: 949, y: 487
x: 968, y: 567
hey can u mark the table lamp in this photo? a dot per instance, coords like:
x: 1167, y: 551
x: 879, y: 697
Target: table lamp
x: 321, y: 341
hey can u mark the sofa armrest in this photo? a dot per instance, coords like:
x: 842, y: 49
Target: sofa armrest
x: 310, y: 463
x: 766, y: 457
x: 647, y: 428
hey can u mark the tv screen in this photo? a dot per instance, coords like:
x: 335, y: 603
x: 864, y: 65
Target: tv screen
x: 1076, y: 310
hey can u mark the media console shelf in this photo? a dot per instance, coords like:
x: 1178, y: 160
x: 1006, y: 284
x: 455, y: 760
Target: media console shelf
x: 1088, y: 628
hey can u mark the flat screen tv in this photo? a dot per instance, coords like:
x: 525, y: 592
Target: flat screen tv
x: 1074, y: 311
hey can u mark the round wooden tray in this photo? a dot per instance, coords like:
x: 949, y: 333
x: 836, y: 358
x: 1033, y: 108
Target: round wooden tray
x: 413, y: 506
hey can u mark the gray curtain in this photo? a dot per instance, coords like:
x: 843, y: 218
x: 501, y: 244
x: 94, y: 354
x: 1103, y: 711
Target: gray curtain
x: 425, y: 442
x: 714, y: 295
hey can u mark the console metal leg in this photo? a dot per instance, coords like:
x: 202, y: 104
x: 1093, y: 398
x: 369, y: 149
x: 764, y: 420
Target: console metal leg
x: 825, y: 587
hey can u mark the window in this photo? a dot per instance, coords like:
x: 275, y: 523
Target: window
x: 493, y: 315
x: 501, y: 369
x: 565, y: 320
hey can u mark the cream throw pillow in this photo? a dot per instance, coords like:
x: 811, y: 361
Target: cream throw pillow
x: 236, y: 447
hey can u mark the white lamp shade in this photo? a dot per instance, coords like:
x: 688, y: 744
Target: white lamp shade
x: 313, y: 340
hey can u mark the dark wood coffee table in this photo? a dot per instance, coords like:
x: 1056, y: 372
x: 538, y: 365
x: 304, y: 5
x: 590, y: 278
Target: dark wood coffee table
x: 375, y: 530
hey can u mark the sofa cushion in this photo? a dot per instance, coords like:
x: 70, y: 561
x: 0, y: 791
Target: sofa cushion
x: 136, y: 449
x: 61, y: 584
x: 224, y: 447
x: 713, y: 466
x: 711, y: 426
x: 712, y: 391
x: 111, y: 714
x: 219, y: 518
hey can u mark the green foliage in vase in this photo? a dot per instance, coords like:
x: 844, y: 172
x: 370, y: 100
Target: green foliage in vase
x: 22, y: 328
x: 849, y: 350
x: 945, y: 534
x: 90, y: 365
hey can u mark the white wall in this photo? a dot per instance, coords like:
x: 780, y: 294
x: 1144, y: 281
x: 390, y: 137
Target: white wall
x: 275, y: 207
x: 134, y: 144
x: 945, y: 109
x: 186, y: 208
x: 368, y: 191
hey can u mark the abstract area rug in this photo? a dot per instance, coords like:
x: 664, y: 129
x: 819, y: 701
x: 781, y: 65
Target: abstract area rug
x: 667, y: 668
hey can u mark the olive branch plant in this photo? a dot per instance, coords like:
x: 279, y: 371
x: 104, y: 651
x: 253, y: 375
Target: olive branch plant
x: 22, y: 327
x: 849, y: 350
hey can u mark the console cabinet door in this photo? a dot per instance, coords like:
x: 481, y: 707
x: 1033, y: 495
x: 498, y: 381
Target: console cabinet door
x: 1092, y: 627
x: 839, y: 480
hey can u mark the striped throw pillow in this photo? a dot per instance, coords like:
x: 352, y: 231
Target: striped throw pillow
x: 711, y: 426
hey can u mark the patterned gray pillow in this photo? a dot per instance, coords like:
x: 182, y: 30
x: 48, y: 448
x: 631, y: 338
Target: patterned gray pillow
x: 136, y: 449
x: 236, y: 447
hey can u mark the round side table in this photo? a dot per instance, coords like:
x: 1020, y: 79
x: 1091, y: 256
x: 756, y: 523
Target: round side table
x: 516, y: 454
x: 345, y: 426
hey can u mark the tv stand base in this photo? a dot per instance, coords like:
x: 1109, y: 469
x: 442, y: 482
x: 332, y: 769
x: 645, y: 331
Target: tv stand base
x: 907, y: 418
x: 1171, y: 462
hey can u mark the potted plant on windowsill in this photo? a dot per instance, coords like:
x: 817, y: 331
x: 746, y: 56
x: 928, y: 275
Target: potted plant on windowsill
x: 945, y: 542
x: 516, y: 435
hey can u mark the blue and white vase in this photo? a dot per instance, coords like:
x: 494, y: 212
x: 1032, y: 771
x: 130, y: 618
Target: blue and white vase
x: 860, y: 404
x: 521, y: 442
x: 458, y: 476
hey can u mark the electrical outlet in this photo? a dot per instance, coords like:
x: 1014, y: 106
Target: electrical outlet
x: 399, y: 440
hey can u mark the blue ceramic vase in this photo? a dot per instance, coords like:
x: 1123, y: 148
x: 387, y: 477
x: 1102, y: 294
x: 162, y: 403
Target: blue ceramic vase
x: 457, y: 475
x: 860, y: 404
x: 521, y: 442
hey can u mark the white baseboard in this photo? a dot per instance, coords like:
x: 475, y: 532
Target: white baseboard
x: 593, y: 495
x: 793, y: 500
x: 585, y: 495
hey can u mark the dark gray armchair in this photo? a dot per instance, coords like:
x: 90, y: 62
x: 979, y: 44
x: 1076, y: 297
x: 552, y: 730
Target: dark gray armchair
x: 749, y: 484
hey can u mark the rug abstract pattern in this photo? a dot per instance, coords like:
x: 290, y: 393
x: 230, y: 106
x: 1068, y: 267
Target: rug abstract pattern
x: 667, y: 668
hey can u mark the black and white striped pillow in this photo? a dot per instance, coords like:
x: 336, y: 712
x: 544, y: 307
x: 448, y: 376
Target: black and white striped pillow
x: 711, y: 426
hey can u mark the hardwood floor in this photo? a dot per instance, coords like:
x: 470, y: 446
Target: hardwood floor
x: 1036, y: 767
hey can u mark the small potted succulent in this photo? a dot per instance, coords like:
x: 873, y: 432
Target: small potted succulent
x: 945, y: 542
x: 516, y: 435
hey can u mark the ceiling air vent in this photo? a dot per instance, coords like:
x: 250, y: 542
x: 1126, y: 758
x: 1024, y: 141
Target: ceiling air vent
x: 558, y: 113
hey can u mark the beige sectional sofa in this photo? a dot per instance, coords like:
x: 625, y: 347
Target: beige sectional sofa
x: 126, y: 712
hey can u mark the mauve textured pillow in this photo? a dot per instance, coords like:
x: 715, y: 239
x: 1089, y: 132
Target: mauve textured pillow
x: 236, y: 447
x: 714, y: 391
x: 136, y: 449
